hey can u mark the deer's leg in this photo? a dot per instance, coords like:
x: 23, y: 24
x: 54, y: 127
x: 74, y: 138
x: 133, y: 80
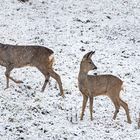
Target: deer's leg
x: 58, y: 79
x: 91, y: 108
x: 7, y: 74
x: 85, y: 98
x: 9, y: 68
x: 117, y: 106
x: 47, y: 77
x: 16, y: 81
x: 125, y: 106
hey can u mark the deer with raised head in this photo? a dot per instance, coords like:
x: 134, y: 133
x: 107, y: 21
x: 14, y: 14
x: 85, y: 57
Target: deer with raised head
x: 16, y: 56
x: 91, y: 86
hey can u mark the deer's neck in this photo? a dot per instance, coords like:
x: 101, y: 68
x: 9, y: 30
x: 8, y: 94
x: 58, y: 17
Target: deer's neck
x: 82, y: 81
x: 82, y: 76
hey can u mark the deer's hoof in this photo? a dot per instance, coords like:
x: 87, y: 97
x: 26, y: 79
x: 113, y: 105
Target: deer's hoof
x: 6, y: 88
x: 63, y: 95
x: 129, y: 121
x: 19, y: 81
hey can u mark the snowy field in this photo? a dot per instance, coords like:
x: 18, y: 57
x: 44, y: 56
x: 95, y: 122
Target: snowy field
x: 70, y: 28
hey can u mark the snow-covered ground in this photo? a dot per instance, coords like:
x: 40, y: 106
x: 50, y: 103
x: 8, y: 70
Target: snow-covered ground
x: 71, y: 28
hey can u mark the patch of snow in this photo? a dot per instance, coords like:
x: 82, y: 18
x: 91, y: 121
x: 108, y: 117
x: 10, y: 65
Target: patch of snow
x: 70, y: 28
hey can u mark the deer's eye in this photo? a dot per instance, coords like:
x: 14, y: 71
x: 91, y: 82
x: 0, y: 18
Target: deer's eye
x: 90, y: 62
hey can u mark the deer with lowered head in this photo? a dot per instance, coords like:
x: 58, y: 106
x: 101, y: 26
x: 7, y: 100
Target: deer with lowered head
x: 92, y: 86
x: 16, y: 56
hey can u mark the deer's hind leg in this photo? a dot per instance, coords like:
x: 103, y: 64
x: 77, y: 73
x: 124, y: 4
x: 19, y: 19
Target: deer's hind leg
x: 116, y: 103
x: 113, y: 94
x: 47, y: 77
x: 117, y: 107
x: 54, y: 75
x: 125, y: 106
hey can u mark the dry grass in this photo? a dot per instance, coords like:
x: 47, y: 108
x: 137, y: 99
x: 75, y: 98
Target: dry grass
x: 139, y: 122
x: 23, y: 0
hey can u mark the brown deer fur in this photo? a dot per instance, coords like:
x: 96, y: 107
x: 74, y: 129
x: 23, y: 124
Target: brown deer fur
x: 14, y: 56
x: 91, y: 86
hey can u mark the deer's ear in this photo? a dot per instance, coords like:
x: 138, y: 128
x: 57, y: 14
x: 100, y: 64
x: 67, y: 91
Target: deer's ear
x: 88, y: 55
x: 92, y: 52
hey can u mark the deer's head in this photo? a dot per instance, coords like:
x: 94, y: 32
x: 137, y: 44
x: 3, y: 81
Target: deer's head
x: 86, y: 63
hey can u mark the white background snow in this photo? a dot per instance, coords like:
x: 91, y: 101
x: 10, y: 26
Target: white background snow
x: 70, y: 28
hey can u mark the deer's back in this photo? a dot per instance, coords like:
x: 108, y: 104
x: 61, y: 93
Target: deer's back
x: 101, y: 84
x: 23, y: 55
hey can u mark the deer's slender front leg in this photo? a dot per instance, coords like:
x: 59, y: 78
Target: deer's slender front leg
x: 91, y: 108
x: 7, y: 74
x: 85, y: 99
x: 9, y: 68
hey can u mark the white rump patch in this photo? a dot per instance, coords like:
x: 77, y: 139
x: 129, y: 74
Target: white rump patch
x: 123, y: 88
x: 51, y: 57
